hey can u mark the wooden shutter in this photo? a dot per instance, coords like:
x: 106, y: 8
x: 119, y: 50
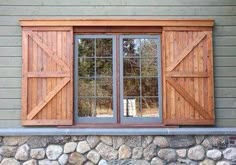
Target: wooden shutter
x: 187, y: 76
x: 47, y: 82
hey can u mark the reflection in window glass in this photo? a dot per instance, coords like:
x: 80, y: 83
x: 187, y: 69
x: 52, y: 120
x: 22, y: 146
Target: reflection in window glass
x: 95, y: 77
x: 140, y: 77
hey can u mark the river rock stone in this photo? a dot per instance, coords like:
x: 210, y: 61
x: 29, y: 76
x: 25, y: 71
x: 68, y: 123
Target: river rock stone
x: 181, y: 153
x: 146, y: 141
x: 223, y: 163
x: 30, y: 162
x: 106, y: 140
x: 76, y: 158
x: 22, y: 152
x: 83, y: 147
x: 37, y: 142
x: 37, y: 153
x: 168, y: 154
x: 102, y: 162
x: 63, y: 159
x: 78, y: 138
x: 220, y: 142
x: 137, y: 153
x: 70, y: 147
x: 199, y: 139
x: 93, y: 141
x: 149, y: 152
x: 14, y: 140
x: 133, y: 141
x: 124, y: 152
x: 8, y: 151
x: 93, y: 156
x: 141, y: 162
x: 230, y: 154
x: 107, y: 152
x: 196, y: 153
x: 214, y: 154
x: 187, y: 162
x: 206, y: 143
x: 161, y: 141
x: 157, y: 161
x: 48, y: 162
x: 118, y: 141
x: 207, y: 162
x: 53, y: 152
x: 177, y: 142
x: 58, y: 139
x: 9, y: 161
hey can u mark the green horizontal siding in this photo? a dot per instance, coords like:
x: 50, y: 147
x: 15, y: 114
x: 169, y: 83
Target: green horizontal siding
x: 222, y: 11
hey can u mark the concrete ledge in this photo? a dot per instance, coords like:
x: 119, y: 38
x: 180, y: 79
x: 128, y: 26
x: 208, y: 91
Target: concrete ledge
x: 120, y: 131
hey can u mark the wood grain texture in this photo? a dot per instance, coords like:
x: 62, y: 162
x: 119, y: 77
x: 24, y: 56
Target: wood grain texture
x: 49, y: 73
x: 117, y: 22
x: 188, y: 77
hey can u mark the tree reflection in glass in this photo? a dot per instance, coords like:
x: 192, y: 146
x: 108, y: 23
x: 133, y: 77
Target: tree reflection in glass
x: 140, y: 73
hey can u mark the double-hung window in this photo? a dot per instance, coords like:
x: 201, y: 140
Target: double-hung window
x: 117, y: 79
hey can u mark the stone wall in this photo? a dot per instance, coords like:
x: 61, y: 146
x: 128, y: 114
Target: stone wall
x: 102, y: 150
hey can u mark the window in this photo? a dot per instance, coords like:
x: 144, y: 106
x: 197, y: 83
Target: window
x: 117, y: 73
x: 117, y: 83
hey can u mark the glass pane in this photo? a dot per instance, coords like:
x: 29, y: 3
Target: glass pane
x: 86, y: 108
x: 86, y: 47
x: 131, y: 47
x: 104, y: 87
x: 131, y: 67
x: 86, y: 87
x: 104, y: 108
x: 131, y: 107
x: 149, y: 67
x: 131, y: 87
x: 104, y: 47
x: 150, y: 107
x: 148, y: 48
x: 86, y: 67
x: 149, y: 87
x: 104, y: 67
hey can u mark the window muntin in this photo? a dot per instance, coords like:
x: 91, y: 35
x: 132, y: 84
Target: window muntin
x: 139, y: 69
x: 94, y: 74
x: 140, y: 92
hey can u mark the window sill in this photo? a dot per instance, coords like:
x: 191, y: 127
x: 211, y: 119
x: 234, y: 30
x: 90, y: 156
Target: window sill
x: 116, y: 131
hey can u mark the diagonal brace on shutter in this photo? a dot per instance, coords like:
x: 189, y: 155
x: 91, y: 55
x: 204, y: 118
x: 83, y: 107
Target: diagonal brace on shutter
x: 48, y: 51
x: 188, y: 98
x: 50, y: 95
x: 186, y: 51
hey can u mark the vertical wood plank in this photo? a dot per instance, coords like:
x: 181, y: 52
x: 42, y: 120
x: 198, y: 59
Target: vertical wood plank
x: 59, y: 95
x: 39, y: 80
x: 64, y: 90
x: 210, y: 71
x: 53, y: 80
x: 49, y: 80
x: 164, y: 88
x: 196, y: 58
x: 24, y: 96
x: 34, y: 80
x: 70, y: 49
x: 44, y: 80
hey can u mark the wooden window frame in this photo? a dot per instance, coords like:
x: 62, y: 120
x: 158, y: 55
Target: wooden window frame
x: 123, y: 26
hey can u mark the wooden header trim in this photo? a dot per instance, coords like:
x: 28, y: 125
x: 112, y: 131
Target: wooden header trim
x: 117, y: 22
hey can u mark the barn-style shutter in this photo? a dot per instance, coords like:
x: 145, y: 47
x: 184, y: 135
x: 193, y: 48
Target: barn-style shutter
x: 187, y: 76
x: 47, y: 82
